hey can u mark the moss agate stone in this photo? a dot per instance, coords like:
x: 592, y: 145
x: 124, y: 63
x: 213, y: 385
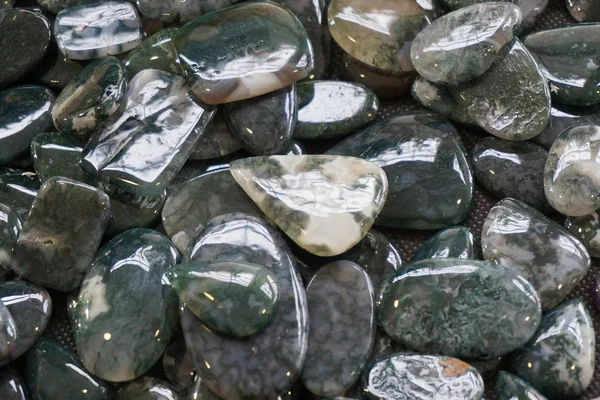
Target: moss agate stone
x: 178, y: 365
x: 439, y: 99
x: 58, y: 154
x: 586, y: 228
x: 12, y: 386
x: 511, y: 387
x: 584, y: 10
x: 453, y: 242
x: 559, y: 360
x: 463, y: 308
x: 11, y: 225
x: 217, y: 140
x: 148, y: 388
x: 18, y: 189
x: 9, y: 334
x: 156, y: 52
x: 563, y: 118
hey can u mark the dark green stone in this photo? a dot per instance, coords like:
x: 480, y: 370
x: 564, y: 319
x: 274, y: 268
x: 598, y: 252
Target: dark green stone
x: 587, y: 229
x: 217, y: 140
x: 57, y: 70
x: 178, y: 365
x: 563, y: 118
x: 463, y: 308
x: 584, y: 10
x: 58, y: 154
x: 18, y: 189
x: 147, y: 388
x: 10, y: 228
x: 511, y: 387
x: 439, y: 99
x: 9, y: 333
x: 156, y: 52
x: 199, y: 391
x: 454, y: 242
x: 11, y: 385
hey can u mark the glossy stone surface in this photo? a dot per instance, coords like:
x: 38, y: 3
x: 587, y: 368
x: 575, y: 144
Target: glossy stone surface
x: 9, y: 333
x: 126, y: 312
x: 216, y: 141
x: 523, y: 239
x: 439, y: 99
x: 430, y: 181
x: 563, y: 118
x: 341, y: 305
x: 314, y: 198
x: 93, y: 96
x: 24, y: 40
x: 178, y: 365
x: 460, y: 46
x: 57, y: 154
x: 61, y: 234
x: 156, y: 52
x: 12, y: 386
x: 584, y: 10
x: 463, y: 308
x: 264, y: 125
x: 161, y: 121
x: 328, y: 109
x: 24, y: 113
x: 52, y: 372
x: 295, y: 148
x: 265, y: 365
x: 511, y: 169
x: 243, y: 51
x: 511, y: 99
x: 147, y: 388
x: 18, y: 189
x: 11, y: 225
x: 511, y: 387
x: 407, y: 376
x: 559, y: 360
x: 179, y: 10
x: 453, y: 242
x: 57, y: 70
x: 586, y: 228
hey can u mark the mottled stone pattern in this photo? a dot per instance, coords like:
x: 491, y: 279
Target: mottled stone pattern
x: 463, y: 308
x: 18, y: 189
x: 179, y: 10
x: 156, y: 52
x: 584, y: 10
x: 511, y: 387
x: 453, y: 242
x: 11, y: 225
x: 148, y: 388
x: 439, y: 99
x: 561, y: 119
x: 12, y: 386
x: 216, y: 141
x: 178, y: 365
x: 9, y: 333
x: 586, y: 228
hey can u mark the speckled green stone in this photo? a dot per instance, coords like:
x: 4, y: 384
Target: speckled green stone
x: 11, y: 225
x: 439, y: 99
x: 147, y: 388
x: 12, y: 386
x: 453, y: 242
x: 587, y: 229
x: 18, y: 189
x: 156, y: 52
x: 511, y: 387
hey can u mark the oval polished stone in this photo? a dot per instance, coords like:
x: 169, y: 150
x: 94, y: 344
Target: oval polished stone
x: 11, y: 385
x: 156, y: 52
x: 326, y: 204
x: 10, y: 229
x: 24, y: 113
x: 584, y: 10
x: 511, y: 387
x: 217, y: 140
x: 511, y: 169
x: 563, y: 118
x: 93, y: 96
x: 273, y: 359
x: 559, y: 360
x: 9, y: 333
x: 178, y: 365
x: 439, y: 99
x: 453, y: 242
x: 126, y: 312
x: 586, y: 228
x: 328, y: 109
x: 18, y: 189
x: 463, y: 308
x: 460, y: 46
x: 147, y: 388
x: 243, y: 51
x: 341, y: 305
x: 430, y: 181
x: 523, y: 239
x: 407, y: 376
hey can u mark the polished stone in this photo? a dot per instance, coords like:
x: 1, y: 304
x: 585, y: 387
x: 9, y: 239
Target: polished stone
x: 453, y: 242
x: 328, y: 109
x: 460, y: 46
x: 584, y: 10
x: 11, y: 225
x: 9, y: 333
x: 439, y: 99
x: 58, y: 154
x: 148, y: 388
x: 526, y: 241
x: 243, y: 51
x: 126, y: 312
x: 463, y: 308
x: 586, y: 228
x: 179, y: 10
x: 326, y: 204
x: 61, y: 234
x: 430, y: 181
x: 216, y: 141
x: 24, y: 113
x: 511, y: 387
x: 559, y: 360
x: 156, y: 52
x: 561, y: 119
x: 12, y: 386
x: 18, y: 189
x: 178, y: 365
x: 57, y: 70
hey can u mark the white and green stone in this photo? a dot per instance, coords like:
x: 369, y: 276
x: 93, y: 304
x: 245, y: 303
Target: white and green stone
x: 453, y: 242
x: 563, y: 118
x: 439, y: 99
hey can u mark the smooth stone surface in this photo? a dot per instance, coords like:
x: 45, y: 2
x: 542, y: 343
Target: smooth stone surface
x: 460, y: 46
x: 61, y: 234
x: 160, y: 121
x: 24, y: 40
x: 156, y: 52
x: 57, y: 70
x: 24, y: 113
x: 216, y: 141
x: 11, y: 225
x: 243, y: 51
x: 58, y: 154
x: 147, y: 388
x: 178, y: 365
x: 313, y: 198
x: 439, y: 99
x: 328, y: 109
x: 523, y: 239
x: 264, y: 125
x: 52, y: 373
x: 430, y: 181
x: 30, y: 307
x: 126, y: 312
x: 93, y: 96
x: 511, y: 99
x: 561, y: 119
x: 511, y: 169
x: 511, y: 387
x: 265, y: 365
x: 9, y: 334
x: 179, y: 10
x: 463, y: 308
x: 559, y: 360
x: 407, y: 376
x: 341, y: 305
x: 12, y: 386
x: 18, y: 189
x: 584, y: 10
x: 453, y: 242
x: 586, y: 228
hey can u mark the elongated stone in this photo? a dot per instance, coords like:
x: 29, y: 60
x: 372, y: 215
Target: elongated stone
x: 148, y: 388
x: 61, y: 235
x: 178, y: 365
x: 463, y: 308
x: 9, y: 333
x: 511, y: 169
x: 156, y: 52
x: 341, y: 305
x: 559, y: 360
x: 11, y: 225
x: 313, y: 198
x: 243, y: 51
x: 52, y: 372
x: 58, y: 154
x: 453, y: 242
x: 264, y: 125
x: 216, y: 141
x: 439, y: 99
x: 24, y: 113
x: 115, y: 342
x: 18, y: 189
x: 460, y: 46
x: 511, y: 99
x: 563, y: 118
x: 431, y: 184
x: 523, y: 239
x: 586, y: 228
x: 179, y: 10
x: 407, y: 376
x: 584, y: 10
x: 12, y: 386
x: 511, y: 387
x: 328, y: 109
x: 273, y: 359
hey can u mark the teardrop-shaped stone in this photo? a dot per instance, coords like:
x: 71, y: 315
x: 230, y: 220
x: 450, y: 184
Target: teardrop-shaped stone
x: 563, y: 118
x: 463, y: 308
x: 523, y: 239
x: 587, y: 229
x: 453, y: 242
x: 126, y: 312
x: 584, y: 10
x: 439, y: 99
x: 11, y: 385
x: 178, y: 365
x: 431, y: 184
x: 217, y: 140
x: 18, y: 189
x: 511, y: 387
x: 10, y: 229
x: 156, y: 52
x: 314, y: 198
x: 9, y: 333
x: 148, y: 388
x: 460, y: 46
x: 559, y: 360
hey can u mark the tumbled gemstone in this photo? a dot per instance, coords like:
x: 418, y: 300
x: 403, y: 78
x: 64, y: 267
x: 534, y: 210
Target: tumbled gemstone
x: 530, y: 10
x: 156, y: 52
x: 584, y: 10
x: 586, y: 228
x: 11, y: 225
x: 511, y: 387
x: 12, y: 386
x: 148, y: 388
x: 216, y: 141
x: 561, y: 119
x: 439, y: 99
x: 18, y: 189
x: 453, y: 242
x: 58, y: 154
x: 57, y: 70
x: 178, y: 365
